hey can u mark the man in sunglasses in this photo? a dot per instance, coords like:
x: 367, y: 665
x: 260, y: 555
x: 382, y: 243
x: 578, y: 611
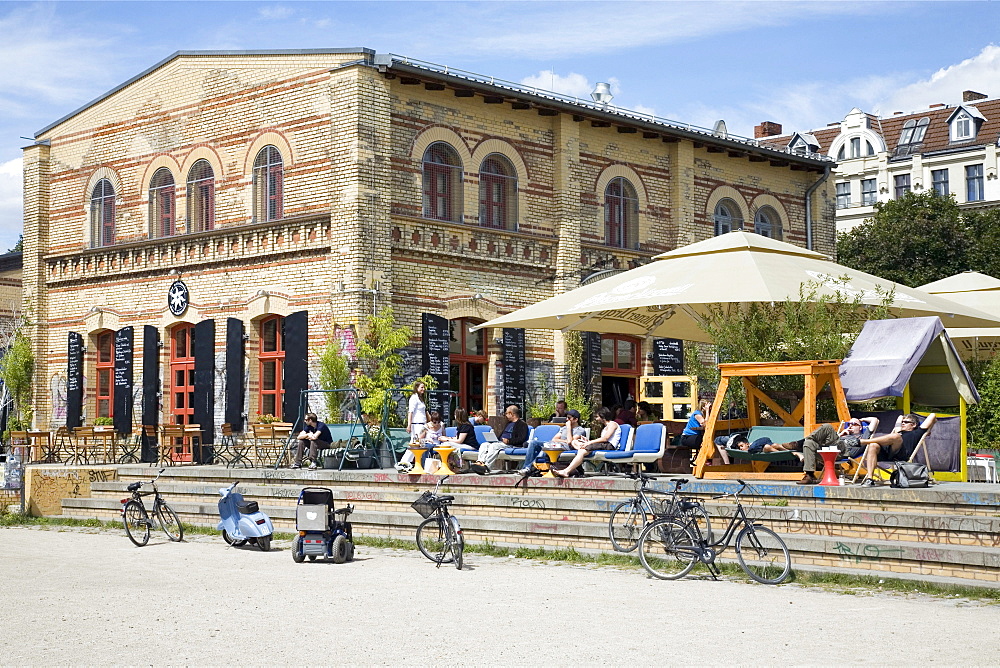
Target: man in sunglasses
x: 898, y: 445
x: 846, y: 440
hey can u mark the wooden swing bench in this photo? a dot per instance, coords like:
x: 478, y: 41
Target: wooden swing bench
x: 801, y: 420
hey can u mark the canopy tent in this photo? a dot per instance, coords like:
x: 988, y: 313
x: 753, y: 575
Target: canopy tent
x: 668, y: 296
x: 915, y: 361
x: 978, y: 291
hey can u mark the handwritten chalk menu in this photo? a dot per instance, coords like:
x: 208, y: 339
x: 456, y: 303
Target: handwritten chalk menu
x: 74, y: 381
x: 515, y: 368
x: 123, y: 380
x: 668, y: 357
x: 591, y: 362
x: 435, y: 335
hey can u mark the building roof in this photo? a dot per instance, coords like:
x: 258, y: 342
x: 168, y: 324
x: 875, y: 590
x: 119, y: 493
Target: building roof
x: 625, y: 119
x: 937, y: 137
x: 10, y: 261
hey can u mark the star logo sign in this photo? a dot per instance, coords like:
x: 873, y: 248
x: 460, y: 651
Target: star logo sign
x: 177, y: 298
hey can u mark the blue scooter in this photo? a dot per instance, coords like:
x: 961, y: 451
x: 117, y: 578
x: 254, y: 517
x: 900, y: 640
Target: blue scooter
x: 242, y: 521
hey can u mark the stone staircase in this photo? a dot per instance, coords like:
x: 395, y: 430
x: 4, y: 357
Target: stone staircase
x: 948, y: 533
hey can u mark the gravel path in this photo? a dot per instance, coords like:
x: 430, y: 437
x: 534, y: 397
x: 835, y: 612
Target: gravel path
x: 91, y: 597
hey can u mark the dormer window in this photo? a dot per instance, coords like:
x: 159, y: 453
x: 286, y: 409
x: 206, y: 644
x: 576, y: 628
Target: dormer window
x: 912, y: 136
x: 962, y: 127
x: 964, y: 123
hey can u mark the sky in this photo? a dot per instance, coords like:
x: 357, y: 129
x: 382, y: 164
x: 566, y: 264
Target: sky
x: 801, y: 64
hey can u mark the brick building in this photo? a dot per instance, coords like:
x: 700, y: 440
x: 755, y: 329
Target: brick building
x: 281, y: 196
x: 950, y: 148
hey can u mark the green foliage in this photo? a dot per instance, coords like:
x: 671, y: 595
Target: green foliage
x: 381, y: 362
x: 16, y: 369
x: 103, y: 421
x: 984, y: 428
x: 816, y: 327
x: 19, y: 246
x: 334, y: 374
x: 920, y: 238
x: 542, y: 399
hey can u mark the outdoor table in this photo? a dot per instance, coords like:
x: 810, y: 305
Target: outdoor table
x: 105, y: 435
x: 192, y: 433
x: 552, y: 453
x: 41, y: 441
x: 830, y: 466
x: 444, y: 451
x: 418, y: 451
x: 81, y: 444
x: 128, y: 446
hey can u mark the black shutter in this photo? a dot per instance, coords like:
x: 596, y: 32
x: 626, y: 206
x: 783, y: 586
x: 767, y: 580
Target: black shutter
x: 235, y: 390
x: 591, y: 363
x: 296, y: 337
x: 515, y: 368
x: 150, y: 388
x: 74, y: 381
x: 204, y: 386
x: 124, y: 342
x: 435, y: 335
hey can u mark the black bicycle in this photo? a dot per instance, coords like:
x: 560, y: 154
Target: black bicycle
x: 670, y: 547
x: 137, y: 521
x: 439, y: 536
x: 630, y: 517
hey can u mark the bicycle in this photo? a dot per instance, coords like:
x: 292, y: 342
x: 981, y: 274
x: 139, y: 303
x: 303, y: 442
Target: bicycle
x: 439, y: 536
x: 137, y: 521
x: 630, y: 517
x: 670, y: 547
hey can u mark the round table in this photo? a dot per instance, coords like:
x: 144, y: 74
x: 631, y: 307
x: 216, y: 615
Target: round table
x: 553, y: 455
x: 444, y: 451
x: 830, y: 467
x: 418, y: 456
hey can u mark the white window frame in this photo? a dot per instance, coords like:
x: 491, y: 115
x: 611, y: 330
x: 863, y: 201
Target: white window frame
x: 869, y: 197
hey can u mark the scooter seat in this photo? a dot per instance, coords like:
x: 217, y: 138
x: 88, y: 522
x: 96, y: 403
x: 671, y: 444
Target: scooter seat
x: 347, y: 510
x: 248, y: 507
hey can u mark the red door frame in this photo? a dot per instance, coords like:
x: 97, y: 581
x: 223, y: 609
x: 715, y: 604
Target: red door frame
x: 182, y: 383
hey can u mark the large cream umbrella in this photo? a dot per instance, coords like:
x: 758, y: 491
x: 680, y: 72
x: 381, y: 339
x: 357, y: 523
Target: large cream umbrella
x: 668, y: 296
x: 977, y: 291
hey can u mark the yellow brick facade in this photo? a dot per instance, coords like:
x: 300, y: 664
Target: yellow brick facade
x: 353, y: 235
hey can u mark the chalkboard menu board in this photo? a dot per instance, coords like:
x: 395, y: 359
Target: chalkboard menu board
x: 668, y: 357
x: 515, y: 368
x: 591, y: 362
x: 74, y: 381
x: 435, y: 336
x: 123, y: 380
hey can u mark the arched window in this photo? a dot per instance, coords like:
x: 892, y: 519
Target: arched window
x: 268, y: 181
x: 497, y: 193
x: 161, y: 204
x: 201, y: 197
x: 272, y: 362
x: 767, y: 223
x: 621, y: 214
x: 105, y: 374
x: 442, y: 183
x: 102, y: 214
x: 727, y: 217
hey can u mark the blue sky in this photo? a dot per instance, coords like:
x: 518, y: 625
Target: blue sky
x: 801, y: 64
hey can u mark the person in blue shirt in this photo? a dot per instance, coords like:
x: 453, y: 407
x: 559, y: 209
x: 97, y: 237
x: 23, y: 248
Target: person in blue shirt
x: 317, y: 435
x: 694, y: 431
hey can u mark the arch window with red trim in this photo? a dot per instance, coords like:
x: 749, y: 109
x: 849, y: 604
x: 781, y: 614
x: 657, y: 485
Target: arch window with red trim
x: 268, y: 185
x: 621, y: 214
x: 161, y: 204
x: 102, y: 214
x: 105, y: 373
x: 201, y: 197
x: 497, y: 193
x: 442, y: 183
x: 272, y: 363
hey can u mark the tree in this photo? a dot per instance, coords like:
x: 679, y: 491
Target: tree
x: 380, y: 361
x: 334, y: 374
x: 16, y: 370
x: 912, y: 240
x: 19, y: 246
x: 983, y: 229
x: 984, y: 428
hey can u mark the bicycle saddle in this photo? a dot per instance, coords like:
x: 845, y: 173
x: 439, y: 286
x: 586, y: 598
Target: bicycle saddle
x: 134, y: 486
x: 688, y: 505
x: 447, y: 498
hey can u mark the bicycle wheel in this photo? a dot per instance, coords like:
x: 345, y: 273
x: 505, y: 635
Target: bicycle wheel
x: 169, y: 522
x: 626, y: 524
x: 136, y: 523
x: 763, y: 555
x: 431, y: 539
x: 667, y: 549
x: 456, y: 540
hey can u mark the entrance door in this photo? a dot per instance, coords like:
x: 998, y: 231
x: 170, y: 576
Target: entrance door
x: 467, y: 352
x: 182, y: 383
x: 620, y: 369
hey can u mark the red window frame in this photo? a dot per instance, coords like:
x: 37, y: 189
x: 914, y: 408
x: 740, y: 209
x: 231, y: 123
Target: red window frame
x: 620, y: 206
x: 181, y: 406
x: 102, y: 213
x: 268, y: 179
x: 439, y: 182
x: 105, y: 394
x: 617, y: 343
x: 201, y: 197
x: 272, y: 365
x: 497, y: 188
x: 467, y: 364
x: 161, y: 200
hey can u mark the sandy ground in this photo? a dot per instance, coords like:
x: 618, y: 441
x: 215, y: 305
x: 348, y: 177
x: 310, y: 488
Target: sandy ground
x: 81, y: 597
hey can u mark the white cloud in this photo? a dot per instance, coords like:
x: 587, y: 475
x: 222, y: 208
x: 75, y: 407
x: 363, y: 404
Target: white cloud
x: 10, y: 203
x: 980, y: 73
x: 275, y: 12
x: 573, y: 84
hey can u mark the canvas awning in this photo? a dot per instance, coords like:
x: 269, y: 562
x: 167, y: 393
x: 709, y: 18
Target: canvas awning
x: 888, y: 354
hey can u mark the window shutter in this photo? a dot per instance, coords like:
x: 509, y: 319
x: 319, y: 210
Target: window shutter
x: 296, y: 367
x: 74, y: 380
x: 235, y: 387
x: 123, y: 380
x: 204, y: 387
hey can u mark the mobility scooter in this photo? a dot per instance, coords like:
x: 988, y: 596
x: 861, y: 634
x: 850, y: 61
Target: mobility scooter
x: 321, y: 534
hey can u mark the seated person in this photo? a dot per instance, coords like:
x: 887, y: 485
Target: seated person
x: 430, y: 437
x: 514, y: 435
x: 560, y: 410
x: 646, y: 412
x: 694, y: 430
x: 317, y: 435
x: 897, y: 445
x: 608, y: 440
x: 846, y: 440
x: 570, y: 432
x: 627, y: 414
x: 464, y: 439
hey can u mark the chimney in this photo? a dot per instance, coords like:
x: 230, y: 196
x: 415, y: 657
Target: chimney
x: 972, y: 96
x: 767, y: 129
x: 935, y: 106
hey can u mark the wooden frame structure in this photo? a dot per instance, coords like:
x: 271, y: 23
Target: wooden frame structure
x: 817, y: 375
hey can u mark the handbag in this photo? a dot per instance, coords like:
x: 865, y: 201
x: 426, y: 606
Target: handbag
x: 908, y: 475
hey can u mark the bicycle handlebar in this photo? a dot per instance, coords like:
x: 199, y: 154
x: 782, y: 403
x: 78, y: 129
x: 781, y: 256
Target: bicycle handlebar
x: 735, y: 493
